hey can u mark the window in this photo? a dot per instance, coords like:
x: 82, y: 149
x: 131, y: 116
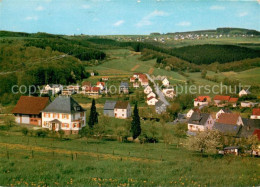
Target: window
x: 74, y: 125
x: 54, y: 115
x: 82, y: 114
x: 123, y: 115
x: 123, y: 110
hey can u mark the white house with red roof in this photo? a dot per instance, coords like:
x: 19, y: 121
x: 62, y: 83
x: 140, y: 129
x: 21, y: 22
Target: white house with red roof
x: 202, y: 100
x: 151, y: 94
x: 148, y: 90
x: 101, y: 85
x: 132, y: 79
x: 224, y: 100
x: 255, y: 113
x: 151, y: 101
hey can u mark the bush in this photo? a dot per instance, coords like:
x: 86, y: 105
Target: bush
x: 41, y: 133
x: 25, y: 131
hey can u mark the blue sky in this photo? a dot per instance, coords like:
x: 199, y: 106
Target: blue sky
x: 108, y: 17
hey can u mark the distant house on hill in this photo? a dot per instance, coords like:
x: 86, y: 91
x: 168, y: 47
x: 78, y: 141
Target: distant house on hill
x: 230, y: 119
x: 136, y: 85
x: 101, y: 85
x: 92, y: 91
x: 124, y: 87
x: 64, y: 113
x: 105, y: 78
x: 28, y: 109
x: 165, y: 82
x: 202, y: 100
x: 148, y: 90
x: 109, y: 108
x: 52, y: 89
x: 132, y: 79
x: 151, y: 94
x: 122, y: 109
x: 223, y: 100
x: 151, y: 101
x: 247, y: 104
x: 144, y: 82
x: 86, y: 85
x: 169, y: 92
x: 243, y: 93
x: 255, y: 113
x: 200, y: 122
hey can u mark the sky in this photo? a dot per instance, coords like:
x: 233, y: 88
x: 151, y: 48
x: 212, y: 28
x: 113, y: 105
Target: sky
x: 114, y: 17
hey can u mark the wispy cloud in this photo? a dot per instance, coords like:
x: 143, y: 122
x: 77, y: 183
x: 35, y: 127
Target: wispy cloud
x: 31, y: 18
x: 85, y: 6
x: 184, y: 24
x: 217, y: 7
x: 39, y: 8
x: 118, y: 23
x: 242, y: 14
x: 145, y: 21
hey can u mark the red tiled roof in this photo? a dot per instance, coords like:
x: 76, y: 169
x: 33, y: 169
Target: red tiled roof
x: 228, y: 118
x: 257, y: 133
x: 86, y: 83
x: 233, y: 100
x: 222, y: 97
x: 142, y: 76
x: 102, y: 83
x: 150, y: 98
x: 256, y: 111
x: 93, y: 89
x: 132, y: 78
x: 145, y: 80
x: 202, y: 98
x: 30, y: 105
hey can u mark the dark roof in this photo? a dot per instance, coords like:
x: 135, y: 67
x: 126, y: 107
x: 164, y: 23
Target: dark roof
x: 109, y: 105
x: 30, y: 105
x: 121, y: 104
x: 159, y: 103
x: 224, y: 128
x: 249, y: 126
x: 64, y: 104
x: 55, y: 85
x: 198, y: 118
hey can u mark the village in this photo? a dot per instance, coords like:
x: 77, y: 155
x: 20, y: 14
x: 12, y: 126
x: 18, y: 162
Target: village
x: 66, y: 114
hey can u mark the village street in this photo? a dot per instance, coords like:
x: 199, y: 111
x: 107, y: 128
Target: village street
x: 158, y: 91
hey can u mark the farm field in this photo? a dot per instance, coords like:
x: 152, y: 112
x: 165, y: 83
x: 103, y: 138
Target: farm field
x: 77, y: 161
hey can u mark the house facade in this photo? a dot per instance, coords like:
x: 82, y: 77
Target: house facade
x: 200, y: 122
x: 165, y: 82
x: 202, y: 100
x: 243, y: 93
x: 109, y: 108
x: 151, y: 94
x: 255, y: 113
x: 148, y: 90
x: 124, y: 88
x: 224, y: 100
x: 28, y: 110
x: 122, y: 110
x: 151, y: 101
x: 64, y: 113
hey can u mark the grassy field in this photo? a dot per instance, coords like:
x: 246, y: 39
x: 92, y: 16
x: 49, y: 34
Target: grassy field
x: 51, y: 162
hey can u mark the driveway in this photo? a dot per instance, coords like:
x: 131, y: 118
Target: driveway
x: 158, y: 91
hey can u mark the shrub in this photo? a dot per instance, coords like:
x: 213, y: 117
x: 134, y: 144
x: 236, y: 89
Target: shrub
x: 41, y: 133
x: 25, y: 131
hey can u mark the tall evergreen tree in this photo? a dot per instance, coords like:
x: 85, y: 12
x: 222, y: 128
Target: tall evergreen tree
x: 136, y: 125
x: 93, y: 117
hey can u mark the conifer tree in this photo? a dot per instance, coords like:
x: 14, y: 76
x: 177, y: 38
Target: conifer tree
x: 93, y: 117
x: 136, y: 125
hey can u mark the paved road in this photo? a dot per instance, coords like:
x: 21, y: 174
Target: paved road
x: 158, y: 91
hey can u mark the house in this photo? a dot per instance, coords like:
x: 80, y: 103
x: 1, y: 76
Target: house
x: 28, y: 109
x: 160, y: 107
x: 142, y: 77
x: 122, y: 109
x: 104, y: 78
x: 136, y: 85
x: 190, y: 112
x: 200, y: 122
x: 124, y: 87
x: 144, y: 82
x: 243, y: 93
x: 85, y: 85
x: 136, y: 75
x: 151, y: 94
x: 223, y: 100
x: 92, y: 74
x: 202, y: 100
x: 232, y: 150
x: 165, y: 82
x: 255, y: 113
x: 151, y: 101
x: 66, y: 92
x: 247, y: 104
x: 250, y: 125
x: 132, y: 79
x: 94, y: 91
x: 73, y: 88
x: 101, y: 85
x: 230, y: 119
x: 52, y: 89
x: 221, y: 111
x: 169, y: 92
x: 148, y: 90
x: 64, y: 113
x: 109, y: 108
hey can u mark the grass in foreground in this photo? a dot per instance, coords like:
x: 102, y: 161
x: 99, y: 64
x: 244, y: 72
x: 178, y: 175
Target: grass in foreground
x: 98, y: 162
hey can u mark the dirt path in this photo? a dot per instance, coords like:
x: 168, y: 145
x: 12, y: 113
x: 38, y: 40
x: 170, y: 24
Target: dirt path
x: 135, y: 67
x: 151, y: 71
x: 69, y: 152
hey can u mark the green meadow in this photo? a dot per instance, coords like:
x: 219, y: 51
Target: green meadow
x: 33, y: 161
